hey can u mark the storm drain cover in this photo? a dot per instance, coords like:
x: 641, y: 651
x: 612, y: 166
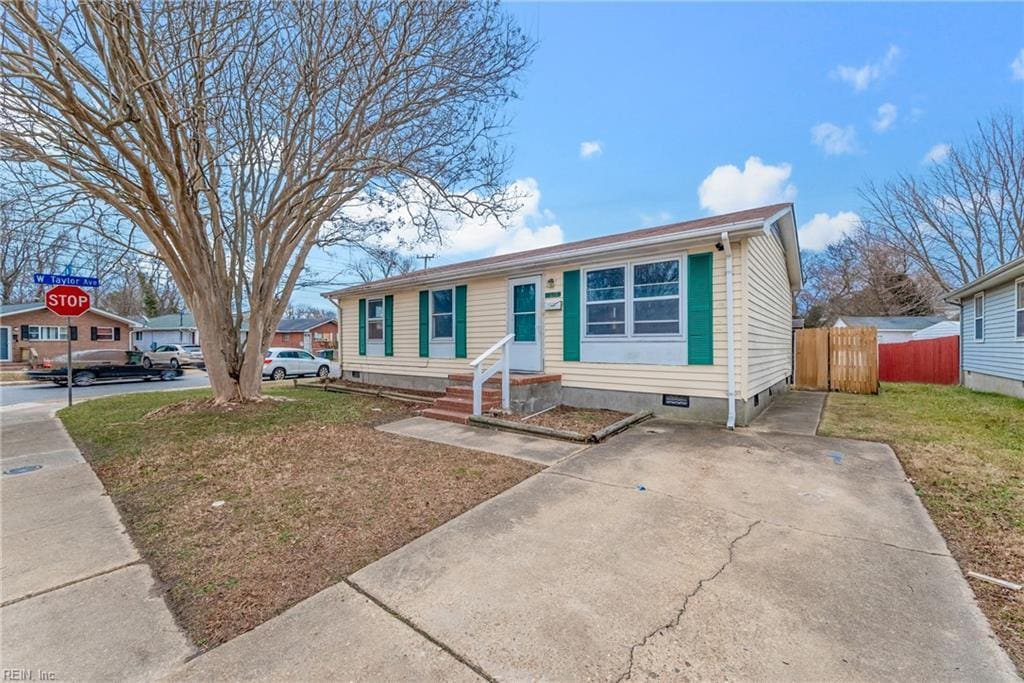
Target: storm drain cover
x: 24, y: 469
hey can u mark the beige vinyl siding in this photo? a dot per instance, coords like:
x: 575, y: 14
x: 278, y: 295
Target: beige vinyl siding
x: 768, y: 316
x: 487, y: 301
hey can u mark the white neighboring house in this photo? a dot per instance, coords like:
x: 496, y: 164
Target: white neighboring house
x: 892, y: 329
x: 173, y: 328
x: 947, y: 328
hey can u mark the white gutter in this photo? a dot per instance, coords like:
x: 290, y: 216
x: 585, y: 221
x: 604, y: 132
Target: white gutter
x: 532, y: 262
x: 729, y: 332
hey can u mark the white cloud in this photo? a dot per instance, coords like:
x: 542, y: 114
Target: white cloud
x: 887, y: 114
x: 591, y: 148
x: 528, y: 227
x: 823, y: 230
x: 727, y: 188
x: 937, y: 154
x: 834, y: 139
x: 860, y: 77
x: 1017, y: 66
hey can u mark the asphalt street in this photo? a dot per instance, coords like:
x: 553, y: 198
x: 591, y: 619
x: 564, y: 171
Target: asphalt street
x: 45, y: 392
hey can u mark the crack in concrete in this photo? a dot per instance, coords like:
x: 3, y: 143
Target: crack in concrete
x: 769, y: 522
x: 628, y: 673
x: 111, y: 570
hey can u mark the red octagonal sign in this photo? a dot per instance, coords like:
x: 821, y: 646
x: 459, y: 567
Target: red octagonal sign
x: 68, y: 301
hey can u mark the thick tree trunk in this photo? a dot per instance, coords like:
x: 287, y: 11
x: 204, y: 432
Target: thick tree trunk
x: 233, y: 363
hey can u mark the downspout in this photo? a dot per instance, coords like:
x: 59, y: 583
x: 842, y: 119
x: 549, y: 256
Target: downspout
x: 729, y: 333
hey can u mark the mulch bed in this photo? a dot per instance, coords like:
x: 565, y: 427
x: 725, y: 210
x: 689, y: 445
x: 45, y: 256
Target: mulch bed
x: 242, y: 524
x: 584, y: 421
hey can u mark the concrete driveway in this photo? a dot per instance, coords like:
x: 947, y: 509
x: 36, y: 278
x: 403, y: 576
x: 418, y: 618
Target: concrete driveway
x: 686, y: 551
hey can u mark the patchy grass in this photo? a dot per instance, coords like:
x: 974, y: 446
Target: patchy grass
x: 242, y: 513
x: 580, y: 420
x: 964, y: 451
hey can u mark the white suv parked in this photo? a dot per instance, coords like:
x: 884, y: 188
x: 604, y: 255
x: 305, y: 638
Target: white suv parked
x: 282, y: 362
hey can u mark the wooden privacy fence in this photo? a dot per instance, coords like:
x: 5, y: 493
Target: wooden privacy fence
x: 837, y: 359
x: 929, y: 361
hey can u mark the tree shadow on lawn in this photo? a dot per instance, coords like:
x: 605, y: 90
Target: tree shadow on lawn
x: 282, y: 500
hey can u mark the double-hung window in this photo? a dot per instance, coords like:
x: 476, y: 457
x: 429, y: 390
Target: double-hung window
x: 375, y: 320
x: 634, y: 300
x: 1019, y: 298
x: 104, y: 334
x: 47, y: 333
x: 656, y: 298
x: 442, y: 314
x: 979, y: 316
x: 606, y: 302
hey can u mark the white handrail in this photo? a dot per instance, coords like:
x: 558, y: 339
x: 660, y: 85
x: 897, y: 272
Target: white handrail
x: 480, y: 376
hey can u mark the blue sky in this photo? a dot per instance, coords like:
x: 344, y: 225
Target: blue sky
x: 826, y: 96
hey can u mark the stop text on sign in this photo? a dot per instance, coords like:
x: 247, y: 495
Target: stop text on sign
x: 68, y: 301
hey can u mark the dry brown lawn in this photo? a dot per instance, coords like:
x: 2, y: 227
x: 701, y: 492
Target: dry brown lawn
x: 242, y: 514
x: 964, y: 451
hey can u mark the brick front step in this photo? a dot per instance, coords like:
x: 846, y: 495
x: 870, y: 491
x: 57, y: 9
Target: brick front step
x: 514, y: 379
x: 458, y: 404
x: 467, y: 392
x: 446, y: 415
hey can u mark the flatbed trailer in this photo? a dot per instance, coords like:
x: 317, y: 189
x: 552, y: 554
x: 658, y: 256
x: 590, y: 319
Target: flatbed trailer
x: 90, y: 374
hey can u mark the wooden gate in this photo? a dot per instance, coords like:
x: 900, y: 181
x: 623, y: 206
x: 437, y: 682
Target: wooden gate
x: 812, y: 359
x: 837, y: 359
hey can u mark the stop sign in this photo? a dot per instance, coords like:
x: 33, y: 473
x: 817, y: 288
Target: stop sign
x: 68, y: 301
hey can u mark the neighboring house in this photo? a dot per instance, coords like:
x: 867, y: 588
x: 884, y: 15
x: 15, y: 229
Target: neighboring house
x: 31, y: 327
x: 173, y: 328
x: 992, y: 330
x: 311, y: 334
x: 891, y: 328
x: 632, y: 321
x: 946, y: 328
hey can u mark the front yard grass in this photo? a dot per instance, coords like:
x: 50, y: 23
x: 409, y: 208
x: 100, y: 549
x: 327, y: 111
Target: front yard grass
x: 242, y: 513
x: 964, y: 451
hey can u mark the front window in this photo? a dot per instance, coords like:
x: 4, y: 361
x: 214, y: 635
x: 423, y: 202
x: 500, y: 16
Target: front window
x: 656, y: 298
x: 104, y: 334
x: 375, y: 320
x: 1020, y: 308
x: 442, y: 307
x: 979, y: 316
x: 138, y: 336
x: 47, y: 333
x: 606, y: 301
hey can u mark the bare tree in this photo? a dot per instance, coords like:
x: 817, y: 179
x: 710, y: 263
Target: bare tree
x: 382, y: 262
x: 232, y: 132
x: 965, y: 215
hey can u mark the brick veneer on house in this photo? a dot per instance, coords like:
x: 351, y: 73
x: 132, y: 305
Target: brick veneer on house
x: 84, y: 325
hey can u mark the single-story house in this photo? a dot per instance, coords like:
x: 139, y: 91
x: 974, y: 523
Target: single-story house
x: 690, y: 319
x: 892, y: 329
x: 311, y: 334
x: 946, y: 328
x: 31, y: 333
x: 992, y: 330
x: 172, y: 328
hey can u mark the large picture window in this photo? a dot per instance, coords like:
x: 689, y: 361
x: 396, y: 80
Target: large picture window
x: 47, y: 333
x: 656, y: 298
x: 606, y: 301
x: 375, y: 320
x: 635, y: 300
x: 442, y: 314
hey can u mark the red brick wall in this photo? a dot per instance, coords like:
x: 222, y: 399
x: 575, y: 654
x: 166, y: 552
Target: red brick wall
x: 49, y: 349
x: 294, y: 339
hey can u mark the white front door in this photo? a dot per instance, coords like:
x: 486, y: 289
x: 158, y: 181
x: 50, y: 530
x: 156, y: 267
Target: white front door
x: 525, y: 321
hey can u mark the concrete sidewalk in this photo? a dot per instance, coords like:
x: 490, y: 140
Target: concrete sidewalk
x: 76, y: 601
x: 794, y: 412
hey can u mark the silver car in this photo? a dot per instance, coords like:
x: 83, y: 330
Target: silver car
x: 280, y: 362
x: 174, y: 355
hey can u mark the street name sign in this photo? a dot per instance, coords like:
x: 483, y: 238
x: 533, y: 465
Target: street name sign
x: 73, y: 280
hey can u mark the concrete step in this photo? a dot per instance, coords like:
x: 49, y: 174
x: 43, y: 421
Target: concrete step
x: 446, y: 415
x: 460, y: 404
x: 467, y: 392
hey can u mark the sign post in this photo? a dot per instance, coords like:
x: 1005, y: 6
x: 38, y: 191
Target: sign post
x: 70, y: 302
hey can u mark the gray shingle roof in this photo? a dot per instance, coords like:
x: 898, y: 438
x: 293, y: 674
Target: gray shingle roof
x: 892, y: 322
x: 10, y: 309
x: 301, y: 324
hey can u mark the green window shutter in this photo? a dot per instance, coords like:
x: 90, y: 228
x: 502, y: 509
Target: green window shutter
x: 571, y: 315
x: 362, y: 327
x: 460, y: 321
x: 699, y: 314
x: 389, y: 320
x: 425, y: 324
